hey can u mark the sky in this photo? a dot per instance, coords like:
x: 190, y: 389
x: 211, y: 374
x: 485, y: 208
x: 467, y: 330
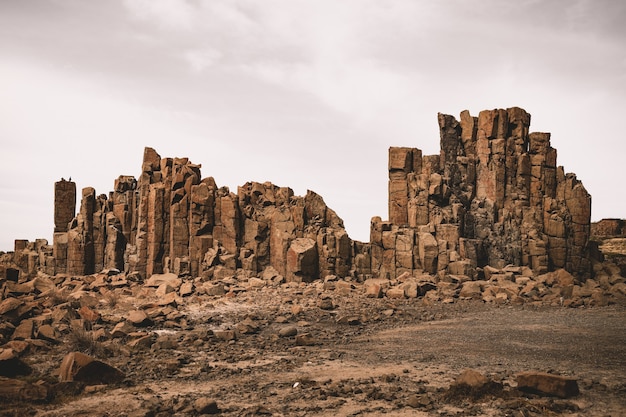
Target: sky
x: 305, y: 94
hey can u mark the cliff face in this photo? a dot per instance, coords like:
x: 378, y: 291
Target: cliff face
x: 493, y: 196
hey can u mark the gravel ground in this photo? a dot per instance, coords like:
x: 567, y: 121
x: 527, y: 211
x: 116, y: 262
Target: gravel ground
x: 360, y: 357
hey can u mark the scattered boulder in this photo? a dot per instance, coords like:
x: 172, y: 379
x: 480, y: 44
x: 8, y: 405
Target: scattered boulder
x: 77, y: 366
x: 472, y: 384
x: 288, y: 331
x: 547, y: 384
x: 139, y: 318
x: 205, y: 406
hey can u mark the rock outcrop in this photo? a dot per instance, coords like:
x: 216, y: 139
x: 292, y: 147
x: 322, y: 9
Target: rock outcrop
x: 173, y: 220
x: 493, y: 196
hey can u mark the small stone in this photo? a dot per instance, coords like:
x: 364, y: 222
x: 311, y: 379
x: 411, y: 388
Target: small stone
x: 88, y: 314
x: 24, y: 330
x: 471, y: 378
x: 305, y: 339
x: 326, y: 304
x: 206, y: 406
x: 139, y: 318
x: 396, y: 292
x: 350, y: 320
x: 141, y: 343
x: 288, y: 331
x: 225, y: 334
x: 418, y: 401
x: 122, y: 329
x: 186, y: 289
x: 47, y: 332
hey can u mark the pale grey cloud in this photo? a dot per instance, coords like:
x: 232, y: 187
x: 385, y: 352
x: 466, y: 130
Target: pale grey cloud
x: 308, y: 94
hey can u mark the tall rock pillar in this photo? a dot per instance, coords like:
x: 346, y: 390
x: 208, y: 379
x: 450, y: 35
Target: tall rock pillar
x: 64, y: 211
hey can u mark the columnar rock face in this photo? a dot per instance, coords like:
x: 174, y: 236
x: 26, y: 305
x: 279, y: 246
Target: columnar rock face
x: 64, y: 204
x: 493, y: 196
x: 64, y: 212
x: 173, y: 220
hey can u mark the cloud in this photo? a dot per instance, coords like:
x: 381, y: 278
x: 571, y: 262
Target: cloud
x: 167, y: 14
x: 201, y: 59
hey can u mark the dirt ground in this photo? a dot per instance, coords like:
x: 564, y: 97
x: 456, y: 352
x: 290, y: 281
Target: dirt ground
x: 299, y: 350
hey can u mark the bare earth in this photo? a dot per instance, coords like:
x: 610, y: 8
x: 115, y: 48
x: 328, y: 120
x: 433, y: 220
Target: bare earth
x: 362, y: 357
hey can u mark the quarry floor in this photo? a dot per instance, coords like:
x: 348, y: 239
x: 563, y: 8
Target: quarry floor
x: 357, y: 357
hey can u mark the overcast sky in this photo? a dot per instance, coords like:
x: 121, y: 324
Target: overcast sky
x: 306, y: 94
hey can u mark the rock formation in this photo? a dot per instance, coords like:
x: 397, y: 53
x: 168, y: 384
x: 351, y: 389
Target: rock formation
x: 493, y: 196
x: 173, y: 220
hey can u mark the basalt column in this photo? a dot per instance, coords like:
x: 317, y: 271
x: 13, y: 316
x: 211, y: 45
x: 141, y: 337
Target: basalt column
x: 80, y: 253
x: 64, y: 211
x: 136, y: 256
x: 185, y: 176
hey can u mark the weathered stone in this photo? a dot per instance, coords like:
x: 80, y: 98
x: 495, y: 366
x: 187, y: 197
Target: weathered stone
x: 225, y: 334
x: 156, y: 280
x: 88, y: 314
x: 547, y: 384
x: 305, y: 339
x: 471, y: 378
x: 302, y: 260
x: 16, y: 389
x: 206, y: 406
x: 77, y: 366
x: 139, y: 318
x: 288, y: 331
x: 64, y: 204
x: 24, y: 330
x: 471, y: 289
x: 395, y: 292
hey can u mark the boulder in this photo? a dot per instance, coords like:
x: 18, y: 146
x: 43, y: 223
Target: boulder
x: 77, y: 366
x: 302, y: 261
x: 547, y: 384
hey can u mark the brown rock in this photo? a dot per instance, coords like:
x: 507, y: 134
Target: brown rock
x: 302, y: 260
x: 225, y: 334
x: 143, y: 342
x: 15, y: 389
x: 471, y: 378
x: 88, y: 314
x: 305, y: 339
x: 9, y: 304
x: 77, y: 366
x: 288, y: 331
x: 547, y: 384
x: 472, y: 289
x: 24, y: 330
x: 139, y: 318
x: 206, y: 406
x: 47, y: 332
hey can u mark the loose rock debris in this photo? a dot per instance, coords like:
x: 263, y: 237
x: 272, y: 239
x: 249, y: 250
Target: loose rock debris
x: 273, y: 350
